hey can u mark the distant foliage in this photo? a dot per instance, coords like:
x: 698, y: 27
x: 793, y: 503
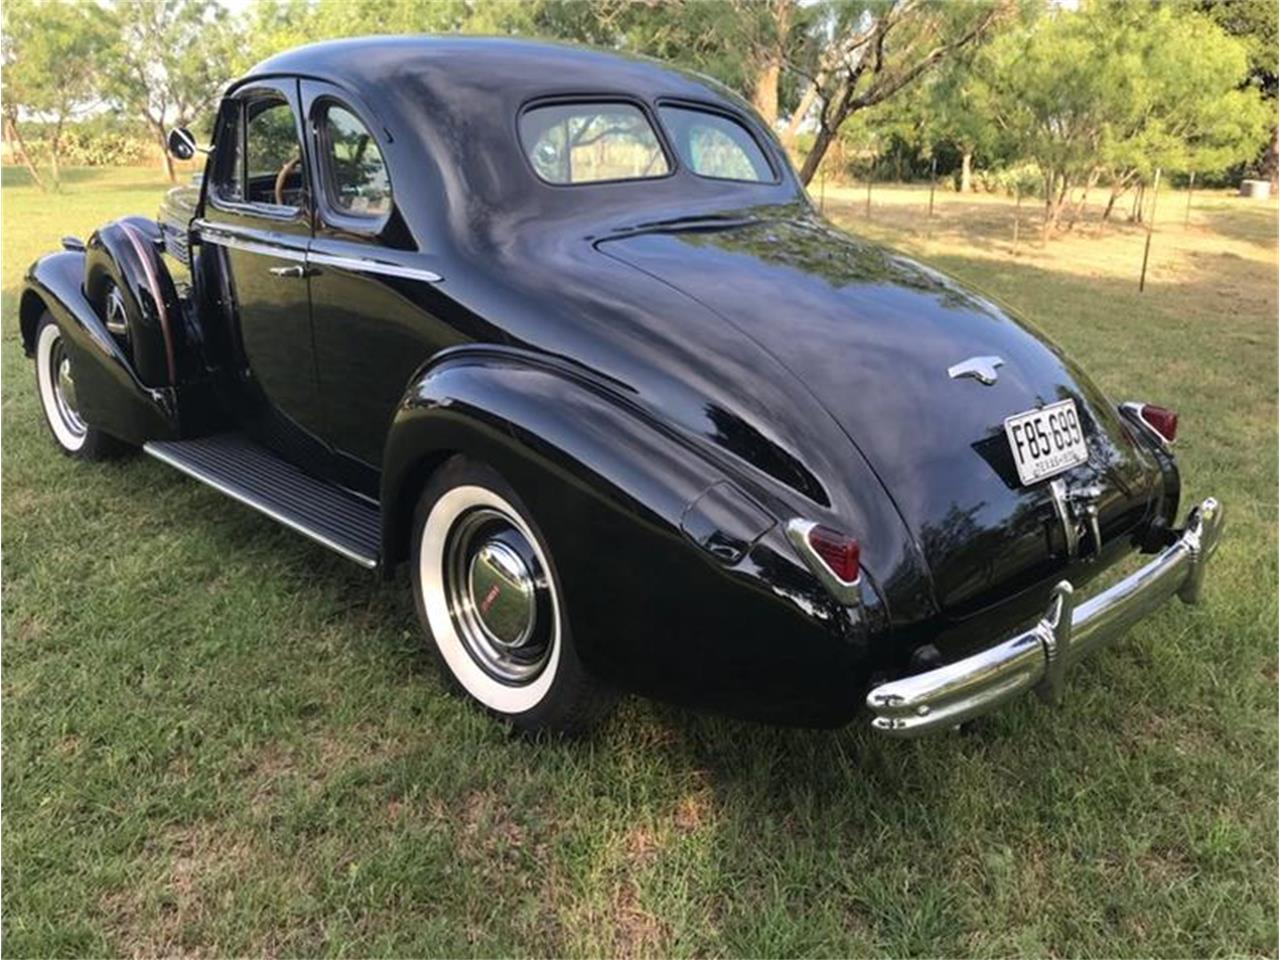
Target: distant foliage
x: 1092, y: 96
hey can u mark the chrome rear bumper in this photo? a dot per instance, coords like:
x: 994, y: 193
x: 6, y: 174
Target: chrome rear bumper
x: 1039, y: 657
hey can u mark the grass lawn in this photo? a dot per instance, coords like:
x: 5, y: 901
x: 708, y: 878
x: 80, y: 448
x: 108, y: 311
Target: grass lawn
x: 220, y: 739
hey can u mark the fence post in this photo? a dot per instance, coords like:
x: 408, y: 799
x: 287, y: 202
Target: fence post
x: 1017, y: 215
x: 933, y: 183
x: 1191, y: 188
x: 1151, y: 222
x: 871, y: 172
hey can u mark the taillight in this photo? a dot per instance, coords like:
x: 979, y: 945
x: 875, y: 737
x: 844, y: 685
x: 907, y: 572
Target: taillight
x: 831, y: 555
x: 837, y: 550
x: 1160, y: 419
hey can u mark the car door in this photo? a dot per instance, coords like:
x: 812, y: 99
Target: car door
x: 258, y: 216
x: 376, y: 303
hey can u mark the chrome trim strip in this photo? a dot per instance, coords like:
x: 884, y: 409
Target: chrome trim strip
x: 369, y: 563
x: 225, y: 238
x: 229, y: 237
x: 365, y: 265
x: 1039, y: 656
x: 847, y: 592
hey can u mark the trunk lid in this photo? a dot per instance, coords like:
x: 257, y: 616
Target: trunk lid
x: 871, y: 335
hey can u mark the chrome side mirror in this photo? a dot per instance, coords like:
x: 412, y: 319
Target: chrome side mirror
x: 182, y: 144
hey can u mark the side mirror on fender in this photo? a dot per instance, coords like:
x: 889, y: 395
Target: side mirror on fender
x: 182, y: 144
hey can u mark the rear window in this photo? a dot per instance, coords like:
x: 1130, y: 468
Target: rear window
x: 590, y: 142
x: 712, y: 145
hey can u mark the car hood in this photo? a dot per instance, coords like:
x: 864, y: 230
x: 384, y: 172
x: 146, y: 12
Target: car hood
x: 871, y: 335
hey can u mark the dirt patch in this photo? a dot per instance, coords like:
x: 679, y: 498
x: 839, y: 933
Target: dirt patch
x: 637, y: 932
x: 160, y: 924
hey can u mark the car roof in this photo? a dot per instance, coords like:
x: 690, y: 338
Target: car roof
x: 525, y: 68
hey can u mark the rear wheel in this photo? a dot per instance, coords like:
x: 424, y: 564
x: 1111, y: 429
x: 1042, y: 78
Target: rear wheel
x: 56, y: 382
x: 487, y: 594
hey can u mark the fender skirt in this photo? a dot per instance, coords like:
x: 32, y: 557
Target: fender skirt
x: 111, y: 395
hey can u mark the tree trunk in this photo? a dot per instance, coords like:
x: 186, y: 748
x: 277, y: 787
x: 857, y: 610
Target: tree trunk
x: 797, y: 117
x: 14, y: 135
x: 1111, y: 202
x: 766, y: 93
x: 814, y: 157
x: 54, y: 145
x: 1050, y: 177
x: 966, y: 171
x: 1271, y: 165
x: 1089, y: 184
x: 164, y: 152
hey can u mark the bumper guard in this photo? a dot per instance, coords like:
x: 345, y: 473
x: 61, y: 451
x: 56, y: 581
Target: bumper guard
x: 1039, y: 657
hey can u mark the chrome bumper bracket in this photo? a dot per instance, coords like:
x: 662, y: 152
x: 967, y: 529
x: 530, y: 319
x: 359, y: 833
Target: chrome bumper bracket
x: 1038, y: 658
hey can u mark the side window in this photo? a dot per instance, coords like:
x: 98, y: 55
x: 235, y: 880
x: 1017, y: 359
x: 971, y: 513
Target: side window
x: 273, y: 156
x: 582, y: 142
x: 356, y: 180
x: 712, y: 145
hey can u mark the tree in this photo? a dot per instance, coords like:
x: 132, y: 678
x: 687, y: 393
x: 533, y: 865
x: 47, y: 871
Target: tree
x: 1254, y: 22
x: 1114, y: 91
x: 51, y: 57
x: 872, y: 50
x: 173, y: 56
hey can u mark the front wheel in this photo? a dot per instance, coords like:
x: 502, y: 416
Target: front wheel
x: 488, y: 595
x: 56, y: 382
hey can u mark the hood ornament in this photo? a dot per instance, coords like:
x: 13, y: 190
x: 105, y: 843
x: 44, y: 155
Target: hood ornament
x: 982, y: 369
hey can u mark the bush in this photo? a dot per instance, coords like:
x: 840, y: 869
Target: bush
x: 101, y: 141
x: 82, y: 148
x: 1024, y: 178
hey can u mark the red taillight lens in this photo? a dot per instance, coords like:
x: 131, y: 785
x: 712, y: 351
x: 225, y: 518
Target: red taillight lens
x: 1161, y: 420
x: 837, y: 550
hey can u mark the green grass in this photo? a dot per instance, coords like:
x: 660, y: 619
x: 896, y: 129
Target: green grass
x: 220, y: 739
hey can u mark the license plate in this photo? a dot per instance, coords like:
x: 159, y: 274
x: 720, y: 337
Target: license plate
x: 1046, y: 441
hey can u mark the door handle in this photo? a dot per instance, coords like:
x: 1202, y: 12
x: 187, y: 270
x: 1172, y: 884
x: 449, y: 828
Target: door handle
x: 297, y: 271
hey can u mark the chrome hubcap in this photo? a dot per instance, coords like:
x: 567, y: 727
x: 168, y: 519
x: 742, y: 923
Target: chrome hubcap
x: 498, y: 596
x: 501, y: 590
x: 64, y: 389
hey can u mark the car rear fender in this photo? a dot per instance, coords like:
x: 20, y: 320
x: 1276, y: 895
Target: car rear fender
x: 663, y: 557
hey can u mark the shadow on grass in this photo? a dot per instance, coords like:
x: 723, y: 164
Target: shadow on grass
x: 1254, y: 224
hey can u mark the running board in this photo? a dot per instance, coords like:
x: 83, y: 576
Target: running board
x: 246, y: 471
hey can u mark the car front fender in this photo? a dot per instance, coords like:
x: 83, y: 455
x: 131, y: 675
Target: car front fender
x: 111, y: 395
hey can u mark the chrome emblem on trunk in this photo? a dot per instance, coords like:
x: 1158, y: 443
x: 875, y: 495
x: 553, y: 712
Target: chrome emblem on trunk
x: 982, y: 369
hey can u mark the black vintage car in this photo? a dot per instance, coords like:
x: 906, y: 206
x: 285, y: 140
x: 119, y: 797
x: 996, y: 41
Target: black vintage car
x: 561, y: 330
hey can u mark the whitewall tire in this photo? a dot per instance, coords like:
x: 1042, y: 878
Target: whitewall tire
x: 59, y: 399
x: 487, y: 593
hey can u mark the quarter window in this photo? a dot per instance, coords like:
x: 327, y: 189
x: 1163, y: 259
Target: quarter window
x: 712, y: 145
x: 586, y: 142
x: 356, y: 175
